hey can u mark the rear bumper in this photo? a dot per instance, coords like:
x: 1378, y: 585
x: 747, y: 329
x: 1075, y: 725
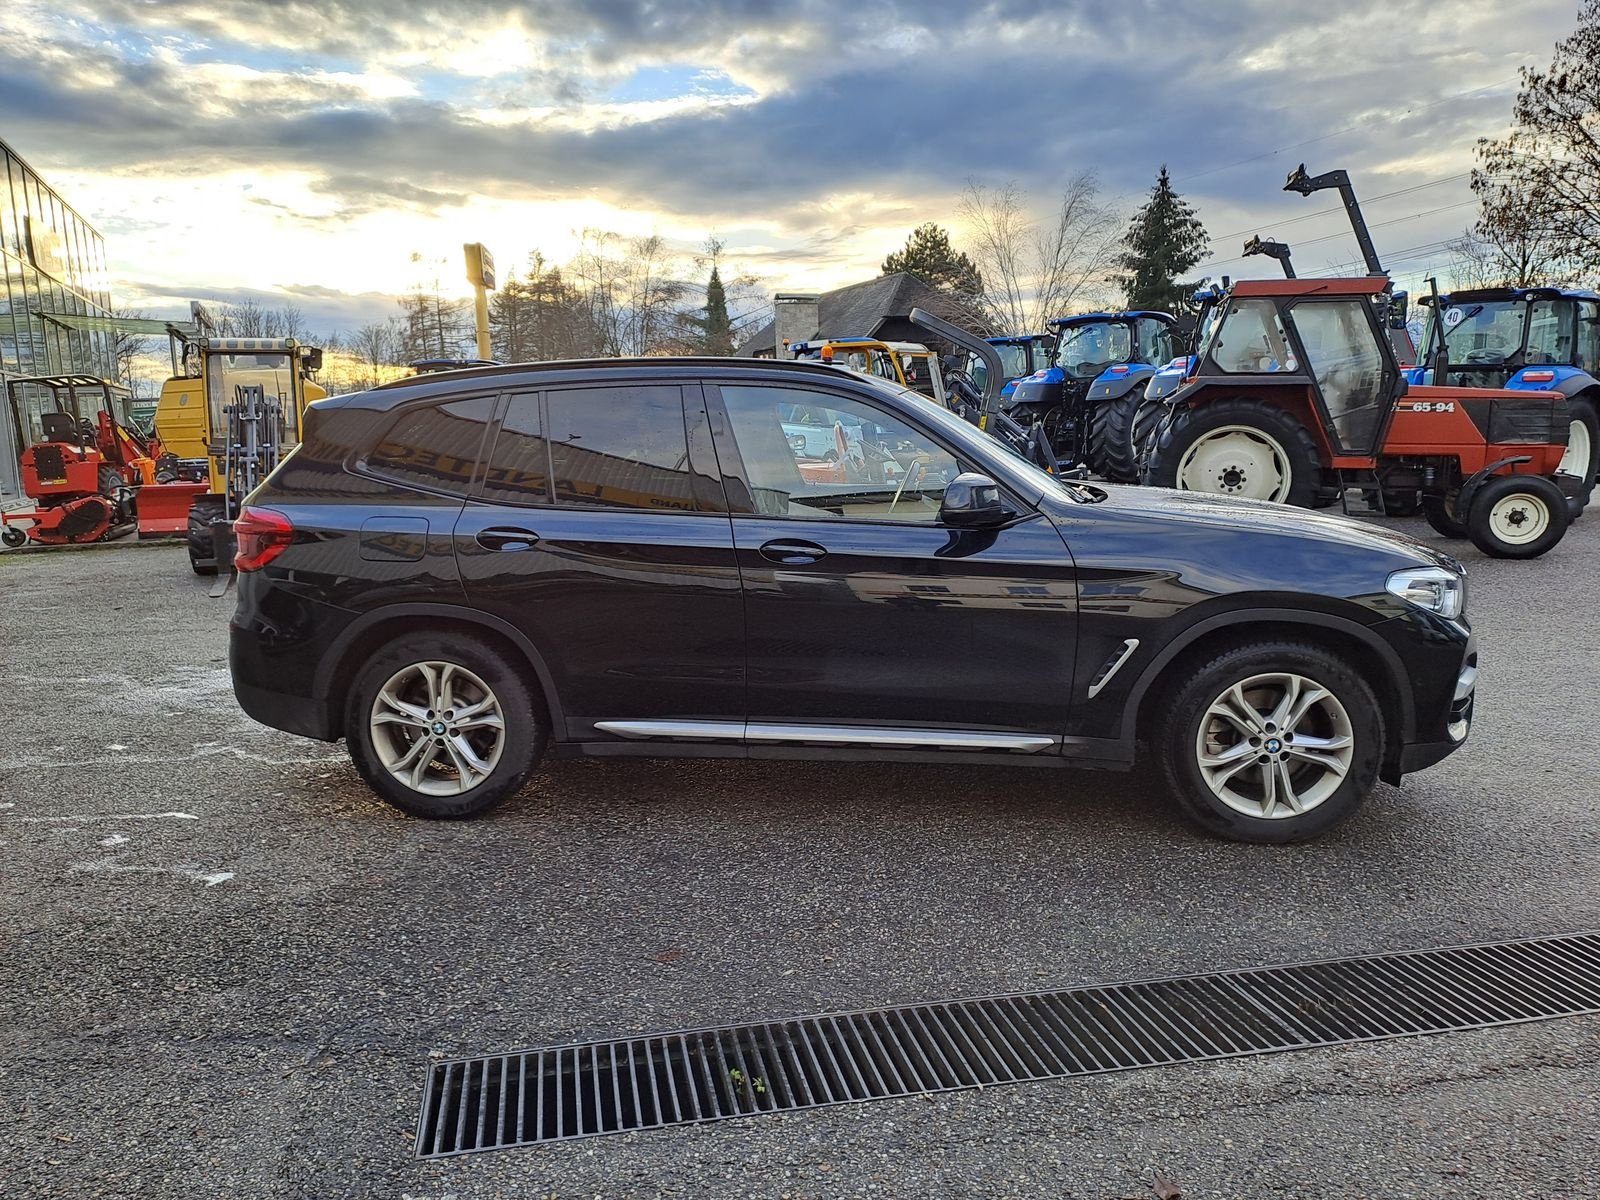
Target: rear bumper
x: 292, y: 714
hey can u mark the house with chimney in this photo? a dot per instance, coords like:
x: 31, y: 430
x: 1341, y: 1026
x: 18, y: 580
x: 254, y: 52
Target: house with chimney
x: 879, y: 308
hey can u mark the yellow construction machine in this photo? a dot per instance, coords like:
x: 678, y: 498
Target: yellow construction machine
x: 232, y: 412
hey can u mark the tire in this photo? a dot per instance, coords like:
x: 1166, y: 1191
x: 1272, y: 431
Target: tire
x: 1404, y: 503
x: 202, y: 545
x: 109, y: 480
x: 1235, y: 804
x: 387, y: 722
x: 12, y: 536
x: 1440, y: 512
x: 1246, y: 448
x: 1111, y: 447
x: 1584, y: 434
x: 1517, y: 516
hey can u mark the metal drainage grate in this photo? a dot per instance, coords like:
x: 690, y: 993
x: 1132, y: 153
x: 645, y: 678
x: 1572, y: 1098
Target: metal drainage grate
x: 698, y: 1075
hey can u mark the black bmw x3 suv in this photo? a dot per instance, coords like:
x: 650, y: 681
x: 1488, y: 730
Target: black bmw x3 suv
x: 461, y: 572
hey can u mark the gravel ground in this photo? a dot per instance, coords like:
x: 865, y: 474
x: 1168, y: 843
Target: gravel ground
x: 224, y: 965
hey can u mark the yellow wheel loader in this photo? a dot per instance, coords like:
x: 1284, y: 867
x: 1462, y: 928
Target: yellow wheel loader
x: 231, y: 414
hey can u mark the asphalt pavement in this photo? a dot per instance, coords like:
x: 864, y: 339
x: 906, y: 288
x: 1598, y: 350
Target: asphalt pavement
x: 224, y: 965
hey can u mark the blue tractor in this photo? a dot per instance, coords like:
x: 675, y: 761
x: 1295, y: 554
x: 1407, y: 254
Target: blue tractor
x: 1085, y: 399
x: 1538, y: 339
x: 1020, y: 356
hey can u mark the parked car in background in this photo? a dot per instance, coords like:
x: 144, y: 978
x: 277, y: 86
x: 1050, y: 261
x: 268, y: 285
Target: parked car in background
x: 460, y: 573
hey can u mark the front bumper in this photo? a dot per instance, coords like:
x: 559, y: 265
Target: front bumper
x: 1417, y: 756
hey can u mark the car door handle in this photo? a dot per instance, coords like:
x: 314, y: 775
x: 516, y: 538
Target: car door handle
x: 507, y: 537
x: 791, y: 551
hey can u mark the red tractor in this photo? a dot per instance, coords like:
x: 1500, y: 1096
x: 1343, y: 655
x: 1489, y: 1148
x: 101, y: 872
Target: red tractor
x: 84, y: 474
x: 1295, y: 396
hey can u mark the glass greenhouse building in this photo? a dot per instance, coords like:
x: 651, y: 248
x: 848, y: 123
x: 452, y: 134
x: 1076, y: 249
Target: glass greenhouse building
x: 55, y: 264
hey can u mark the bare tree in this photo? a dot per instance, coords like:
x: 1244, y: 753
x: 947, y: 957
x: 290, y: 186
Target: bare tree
x: 128, y: 348
x: 1509, y: 245
x: 244, y: 318
x: 375, y: 345
x: 1551, y: 158
x: 630, y: 293
x: 1032, y: 272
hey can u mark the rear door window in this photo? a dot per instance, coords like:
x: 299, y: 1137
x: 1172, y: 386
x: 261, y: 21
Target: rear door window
x: 434, y: 446
x: 620, y: 447
x: 518, y: 470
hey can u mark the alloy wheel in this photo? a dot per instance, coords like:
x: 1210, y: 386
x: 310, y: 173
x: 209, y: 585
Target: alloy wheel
x: 1236, y: 460
x: 437, y: 728
x: 1275, y: 746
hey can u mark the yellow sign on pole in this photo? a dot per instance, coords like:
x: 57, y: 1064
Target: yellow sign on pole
x: 480, y: 274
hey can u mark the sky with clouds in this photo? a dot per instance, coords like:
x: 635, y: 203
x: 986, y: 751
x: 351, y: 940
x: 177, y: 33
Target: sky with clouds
x: 303, y: 151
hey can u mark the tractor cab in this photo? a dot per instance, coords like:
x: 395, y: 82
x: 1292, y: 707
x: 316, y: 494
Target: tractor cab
x: 1020, y: 356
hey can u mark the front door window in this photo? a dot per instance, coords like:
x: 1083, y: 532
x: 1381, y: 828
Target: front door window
x: 812, y: 454
x: 1349, y: 367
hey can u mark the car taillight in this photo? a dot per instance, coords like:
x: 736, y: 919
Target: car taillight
x: 260, y: 535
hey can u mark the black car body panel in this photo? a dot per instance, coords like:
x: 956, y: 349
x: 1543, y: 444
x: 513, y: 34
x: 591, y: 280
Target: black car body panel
x: 713, y: 611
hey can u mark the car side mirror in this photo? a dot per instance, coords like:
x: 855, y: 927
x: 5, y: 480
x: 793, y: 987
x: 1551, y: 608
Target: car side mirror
x: 972, y: 501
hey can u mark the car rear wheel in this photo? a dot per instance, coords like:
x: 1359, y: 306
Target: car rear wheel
x: 1237, y: 447
x: 1272, y: 743
x: 442, y: 726
x: 1517, y: 516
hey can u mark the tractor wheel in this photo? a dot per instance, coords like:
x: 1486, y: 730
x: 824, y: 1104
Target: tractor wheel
x: 1583, y: 448
x: 109, y: 479
x: 1112, y: 453
x: 1517, y: 516
x: 1142, y: 430
x: 202, y: 546
x: 1237, y: 447
x: 12, y: 536
x: 1440, y: 512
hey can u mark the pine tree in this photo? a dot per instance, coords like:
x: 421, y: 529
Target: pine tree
x: 929, y: 256
x: 1164, y: 241
x: 716, y: 331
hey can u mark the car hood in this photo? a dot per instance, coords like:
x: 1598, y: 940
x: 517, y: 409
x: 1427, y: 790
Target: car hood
x: 1206, y: 509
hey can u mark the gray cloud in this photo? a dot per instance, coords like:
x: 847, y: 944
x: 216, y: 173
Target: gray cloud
x: 899, y: 100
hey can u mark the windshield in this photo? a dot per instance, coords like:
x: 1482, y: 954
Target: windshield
x: 1484, y: 331
x: 1016, y: 360
x: 1090, y: 349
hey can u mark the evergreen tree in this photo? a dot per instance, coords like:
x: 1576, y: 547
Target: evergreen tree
x: 1164, y: 241
x: 929, y: 256
x: 716, y: 331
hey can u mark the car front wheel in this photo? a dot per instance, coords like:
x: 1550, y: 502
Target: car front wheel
x: 443, y: 726
x: 1272, y: 743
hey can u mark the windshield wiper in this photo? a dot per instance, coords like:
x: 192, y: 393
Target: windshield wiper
x: 1083, y: 493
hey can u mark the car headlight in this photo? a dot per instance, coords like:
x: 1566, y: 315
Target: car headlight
x: 1433, y: 588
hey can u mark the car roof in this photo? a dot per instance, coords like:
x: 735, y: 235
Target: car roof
x: 581, y: 370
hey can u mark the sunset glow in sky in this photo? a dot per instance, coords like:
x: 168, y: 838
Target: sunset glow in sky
x: 303, y: 151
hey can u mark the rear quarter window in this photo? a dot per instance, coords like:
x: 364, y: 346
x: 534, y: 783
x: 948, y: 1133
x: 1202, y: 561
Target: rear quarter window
x: 434, y: 446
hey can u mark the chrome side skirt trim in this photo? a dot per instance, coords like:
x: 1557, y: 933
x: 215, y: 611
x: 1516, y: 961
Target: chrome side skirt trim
x: 674, y: 729
x: 1109, y: 671
x: 833, y: 735
x: 932, y: 739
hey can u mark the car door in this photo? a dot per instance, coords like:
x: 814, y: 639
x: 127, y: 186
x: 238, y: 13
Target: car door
x: 599, y: 530
x: 863, y: 610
